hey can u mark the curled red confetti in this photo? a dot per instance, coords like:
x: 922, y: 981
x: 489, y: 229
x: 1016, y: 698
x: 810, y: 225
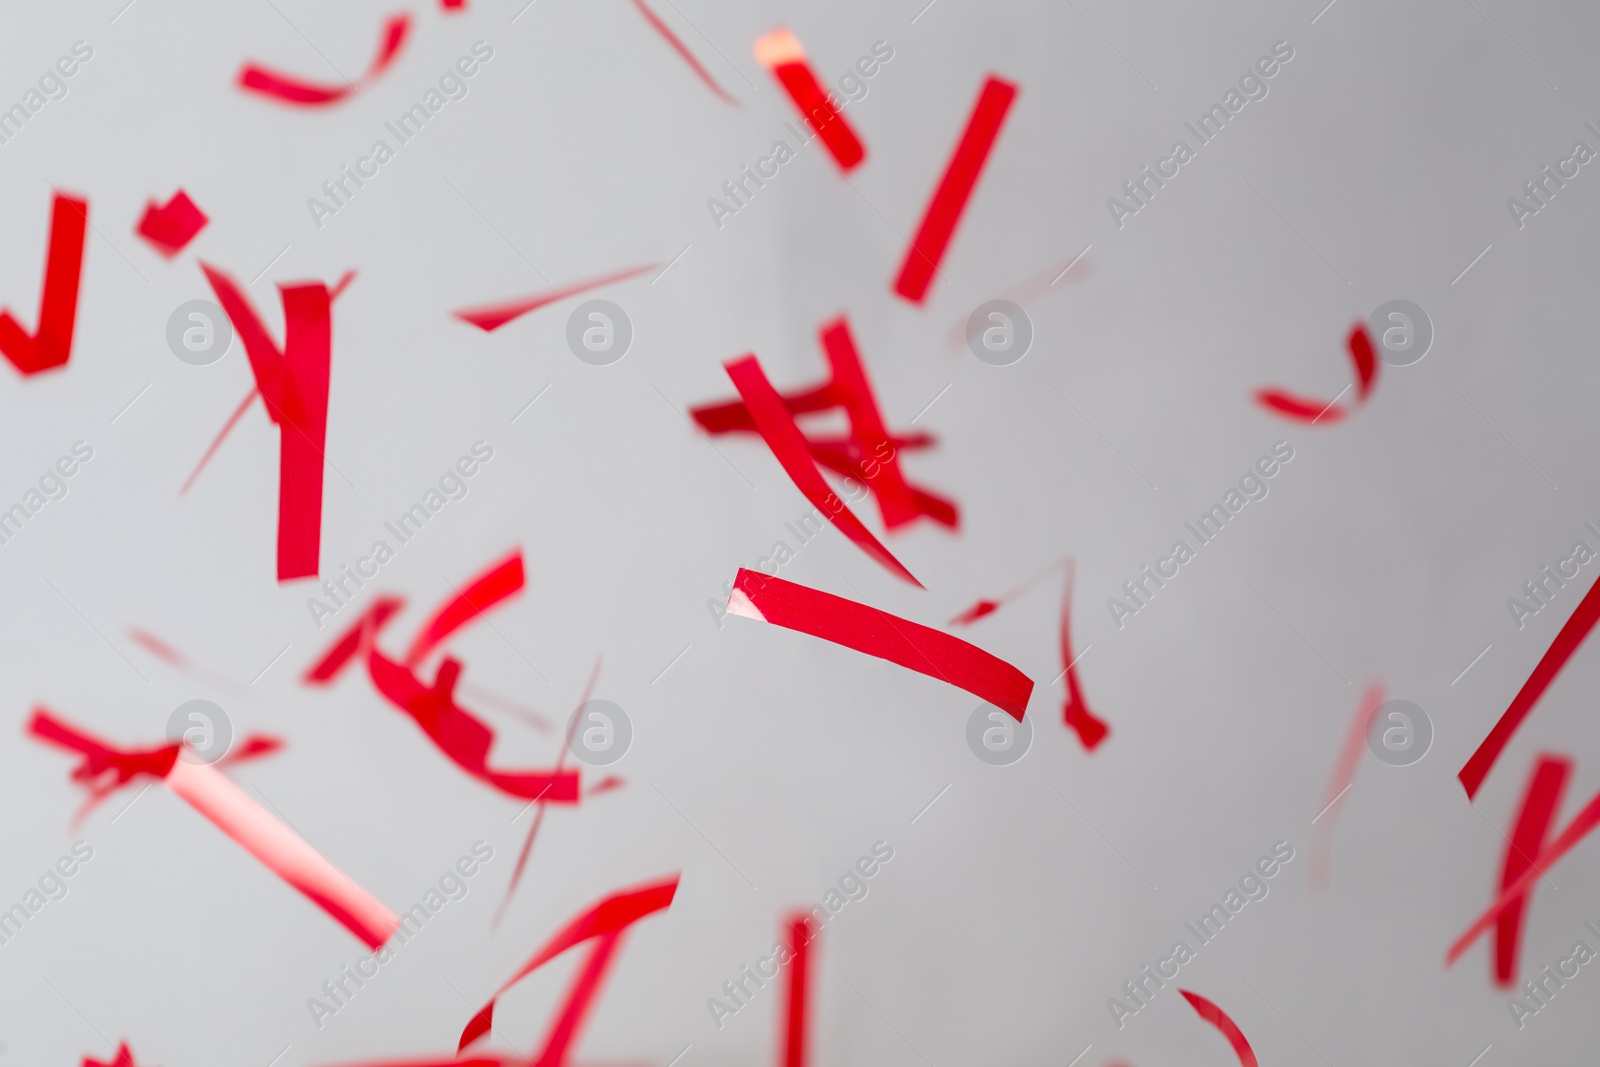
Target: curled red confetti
x: 1091, y: 730
x: 799, y: 978
x: 1300, y: 409
x: 781, y: 52
x: 493, y: 316
x: 171, y: 226
x: 604, y: 920
x: 290, y: 89
x: 1576, y: 628
x: 58, y: 302
x: 1581, y: 824
x: 104, y: 769
x: 877, y: 633
x: 1344, y: 773
x: 954, y: 189
x: 1219, y: 1018
x: 502, y: 580
x: 1539, y: 806
x: 293, y: 382
x: 687, y: 56
x: 776, y: 427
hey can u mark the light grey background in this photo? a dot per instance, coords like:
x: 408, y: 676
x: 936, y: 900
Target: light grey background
x: 765, y: 762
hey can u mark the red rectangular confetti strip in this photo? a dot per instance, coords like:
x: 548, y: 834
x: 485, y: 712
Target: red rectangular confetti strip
x: 795, y: 1029
x: 781, y: 52
x: 950, y: 197
x: 1572, y: 634
x: 232, y: 811
x: 1539, y: 806
x: 877, y: 633
x: 502, y: 580
x: 171, y: 226
x: 776, y: 427
x: 606, y: 918
x: 294, y: 384
x: 867, y: 430
x: 58, y: 302
x: 291, y: 89
x: 1219, y: 1018
x: 1075, y: 712
x: 683, y: 52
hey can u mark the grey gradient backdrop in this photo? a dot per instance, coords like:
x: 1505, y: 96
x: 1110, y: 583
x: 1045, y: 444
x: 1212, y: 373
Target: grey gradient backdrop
x: 765, y: 762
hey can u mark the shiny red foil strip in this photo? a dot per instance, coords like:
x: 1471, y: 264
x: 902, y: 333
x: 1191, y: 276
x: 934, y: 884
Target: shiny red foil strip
x: 604, y: 919
x: 683, y: 52
x: 782, y: 54
x: 1300, y: 409
x: 799, y: 981
x: 293, y: 383
x: 954, y: 189
x: 104, y: 769
x: 777, y: 428
x: 491, y: 317
x: 1219, y: 1018
x: 500, y: 581
x: 291, y: 89
x: 1576, y: 628
x: 1582, y: 823
x: 170, y: 226
x: 1344, y: 774
x: 877, y: 633
x: 1090, y: 728
x: 1539, y: 806
x: 58, y: 302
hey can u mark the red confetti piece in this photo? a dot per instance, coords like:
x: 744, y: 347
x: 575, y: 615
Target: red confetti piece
x: 1219, y: 1018
x: 986, y: 607
x: 58, y: 303
x: 347, y: 644
x: 1539, y: 806
x: 293, y: 382
x: 290, y: 89
x: 1344, y: 774
x: 171, y: 226
x: 678, y: 46
x: 232, y: 811
x: 493, y: 316
x: 776, y: 427
x: 795, y: 1031
x: 877, y: 633
x: 453, y: 5
x: 1576, y: 628
x: 1585, y: 821
x: 781, y: 52
x: 1075, y: 712
x: 606, y: 785
x: 976, y: 612
x: 954, y: 189
x: 124, y: 1059
x: 1300, y: 409
x: 605, y: 920
x: 867, y: 430
x: 500, y: 581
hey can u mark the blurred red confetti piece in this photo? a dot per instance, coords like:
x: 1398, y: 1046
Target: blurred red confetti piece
x: 293, y: 383
x: 347, y: 644
x: 1075, y: 712
x: 799, y: 981
x: 606, y: 785
x: 606, y: 919
x: 1344, y: 774
x: 58, y: 302
x: 1029, y: 290
x: 124, y: 1059
x: 1311, y: 411
x: 776, y: 427
x: 453, y: 5
x: 1576, y: 628
x: 290, y: 89
x: 1219, y: 1018
x: 954, y: 189
x: 493, y: 316
x: 867, y: 430
x: 986, y: 607
x: 502, y: 580
x: 781, y: 53
x: 1539, y: 806
x: 1585, y: 821
x: 877, y: 633
x: 171, y: 226
x: 678, y: 46
x: 232, y: 811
